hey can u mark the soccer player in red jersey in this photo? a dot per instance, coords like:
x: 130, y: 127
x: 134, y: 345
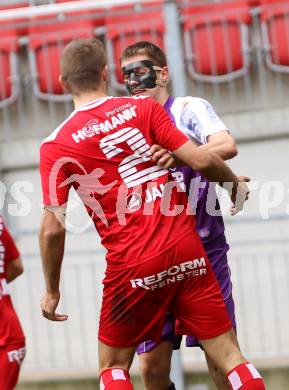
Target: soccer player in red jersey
x: 141, y: 214
x: 12, y: 340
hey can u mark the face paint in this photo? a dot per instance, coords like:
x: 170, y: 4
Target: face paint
x: 143, y: 73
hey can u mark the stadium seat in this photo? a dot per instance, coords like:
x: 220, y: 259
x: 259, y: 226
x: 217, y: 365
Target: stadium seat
x: 216, y: 40
x: 9, y: 76
x: 10, y: 31
x: 47, y: 38
x: 126, y: 25
x: 275, y: 34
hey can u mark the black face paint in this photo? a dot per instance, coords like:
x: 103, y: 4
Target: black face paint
x: 143, y: 73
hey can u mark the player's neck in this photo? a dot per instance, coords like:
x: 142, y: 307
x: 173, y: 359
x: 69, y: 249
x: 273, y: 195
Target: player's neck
x: 88, y: 97
x: 163, y: 97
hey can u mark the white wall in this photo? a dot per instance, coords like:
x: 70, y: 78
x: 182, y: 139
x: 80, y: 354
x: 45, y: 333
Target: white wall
x: 258, y: 261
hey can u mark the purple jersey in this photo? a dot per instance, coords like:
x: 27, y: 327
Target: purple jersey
x: 197, y: 119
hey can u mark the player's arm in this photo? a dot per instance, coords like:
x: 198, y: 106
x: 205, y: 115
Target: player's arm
x: 14, y: 269
x: 221, y: 143
x: 52, y: 229
x: 211, y: 166
x: 51, y: 242
x: 170, y: 138
x: 208, y: 163
x: 203, y: 125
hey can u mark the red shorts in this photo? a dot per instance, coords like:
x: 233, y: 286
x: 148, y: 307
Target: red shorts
x: 11, y: 357
x: 180, y: 281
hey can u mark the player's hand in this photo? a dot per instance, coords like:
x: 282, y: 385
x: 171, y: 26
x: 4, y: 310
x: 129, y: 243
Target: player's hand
x: 162, y: 157
x: 49, y: 303
x: 240, y: 194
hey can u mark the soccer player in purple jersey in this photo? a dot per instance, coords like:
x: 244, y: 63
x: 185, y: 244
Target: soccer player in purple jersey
x: 145, y: 72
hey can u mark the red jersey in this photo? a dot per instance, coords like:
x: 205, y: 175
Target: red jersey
x: 102, y: 150
x: 10, y: 329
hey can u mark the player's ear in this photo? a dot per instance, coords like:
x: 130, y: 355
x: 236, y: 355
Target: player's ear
x: 62, y: 82
x: 105, y: 73
x: 164, y: 74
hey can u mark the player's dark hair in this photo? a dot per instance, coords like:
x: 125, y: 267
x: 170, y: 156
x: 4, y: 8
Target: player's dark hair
x: 82, y: 63
x: 152, y: 51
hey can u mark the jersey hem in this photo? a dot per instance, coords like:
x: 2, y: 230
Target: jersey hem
x: 119, y: 345
x: 12, y: 343
x: 147, y: 259
x: 212, y: 334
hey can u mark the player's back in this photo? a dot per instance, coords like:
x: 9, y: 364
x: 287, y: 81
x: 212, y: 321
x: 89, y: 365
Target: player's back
x: 102, y: 150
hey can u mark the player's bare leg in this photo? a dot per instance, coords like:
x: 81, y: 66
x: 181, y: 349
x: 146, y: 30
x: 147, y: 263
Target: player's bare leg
x: 217, y: 375
x: 155, y: 367
x: 114, y: 364
x: 225, y: 353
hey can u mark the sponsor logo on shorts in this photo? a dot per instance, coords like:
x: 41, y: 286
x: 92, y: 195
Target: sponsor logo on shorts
x: 17, y: 355
x: 176, y: 273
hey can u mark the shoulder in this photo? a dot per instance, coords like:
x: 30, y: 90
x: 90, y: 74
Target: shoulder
x: 188, y: 107
x: 198, y: 109
x: 56, y: 132
x: 132, y: 102
x: 143, y: 100
x: 146, y: 106
x: 131, y: 99
x: 192, y: 103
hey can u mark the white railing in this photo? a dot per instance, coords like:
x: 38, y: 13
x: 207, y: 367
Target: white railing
x: 52, y: 9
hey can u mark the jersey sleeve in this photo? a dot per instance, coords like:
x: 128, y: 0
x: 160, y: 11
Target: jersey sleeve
x: 164, y: 132
x: 200, y: 120
x: 11, y: 250
x: 53, y: 176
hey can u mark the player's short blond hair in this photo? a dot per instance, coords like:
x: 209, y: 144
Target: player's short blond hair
x: 82, y: 63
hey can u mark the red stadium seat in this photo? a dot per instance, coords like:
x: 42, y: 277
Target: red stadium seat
x: 275, y: 34
x: 129, y: 25
x: 47, y: 38
x: 10, y: 31
x: 9, y: 77
x: 216, y: 39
